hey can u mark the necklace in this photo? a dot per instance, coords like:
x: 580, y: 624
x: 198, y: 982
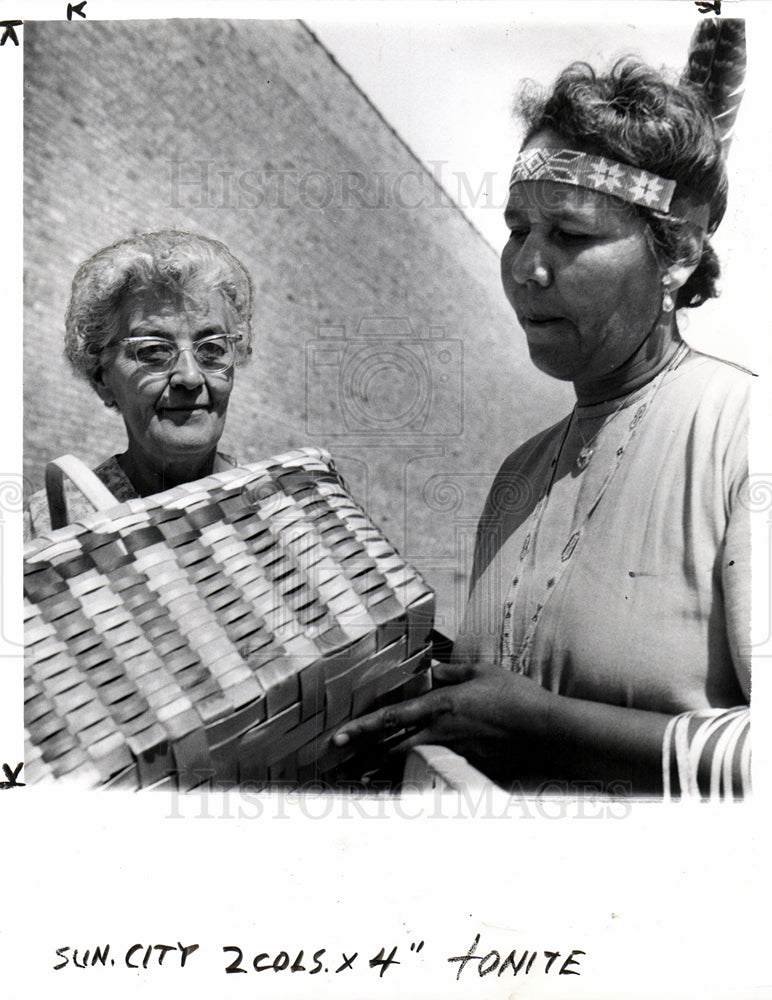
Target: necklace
x: 588, y: 447
x: 517, y: 657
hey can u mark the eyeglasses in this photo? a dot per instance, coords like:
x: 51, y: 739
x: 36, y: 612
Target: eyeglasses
x: 157, y: 356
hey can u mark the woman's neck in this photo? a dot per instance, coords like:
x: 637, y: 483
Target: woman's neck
x: 640, y: 368
x: 148, y: 478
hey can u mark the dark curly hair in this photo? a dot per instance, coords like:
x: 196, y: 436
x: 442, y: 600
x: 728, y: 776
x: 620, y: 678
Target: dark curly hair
x: 634, y: 115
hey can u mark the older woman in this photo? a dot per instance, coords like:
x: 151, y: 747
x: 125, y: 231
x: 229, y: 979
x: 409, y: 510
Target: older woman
x: 156, y: 324
x: 608, y: 617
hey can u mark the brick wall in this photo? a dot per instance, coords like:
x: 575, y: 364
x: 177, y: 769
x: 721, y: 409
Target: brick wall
x: 381, y: 330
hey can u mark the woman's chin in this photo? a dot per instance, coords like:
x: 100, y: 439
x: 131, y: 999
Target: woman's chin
x: 186, y: 443
x: 546, y: 361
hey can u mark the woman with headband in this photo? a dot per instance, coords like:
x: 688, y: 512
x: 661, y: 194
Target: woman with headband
x: 607, y: 631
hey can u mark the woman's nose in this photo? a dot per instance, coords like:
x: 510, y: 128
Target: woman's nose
x: 530, y: 263
x: 186, y: 371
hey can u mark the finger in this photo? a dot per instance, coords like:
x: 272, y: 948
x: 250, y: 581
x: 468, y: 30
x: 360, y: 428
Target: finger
x: 411, y: 714
x: 386, y: 760
x: 452, y: 673
x: 411, y: 740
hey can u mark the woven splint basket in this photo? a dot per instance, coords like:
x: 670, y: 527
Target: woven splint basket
x: 218, y: 632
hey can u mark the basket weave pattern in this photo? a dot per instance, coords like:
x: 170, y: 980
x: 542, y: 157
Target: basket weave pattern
x: 220, y: 631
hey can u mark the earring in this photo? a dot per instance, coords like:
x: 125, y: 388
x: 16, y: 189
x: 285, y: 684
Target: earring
x: 668, y: 305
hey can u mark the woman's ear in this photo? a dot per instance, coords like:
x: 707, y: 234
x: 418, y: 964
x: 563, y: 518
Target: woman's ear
x: 677, y: 274
x: 102, y: 388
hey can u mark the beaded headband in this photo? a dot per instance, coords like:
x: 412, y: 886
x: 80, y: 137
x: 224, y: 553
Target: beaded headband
x: 630, y: 184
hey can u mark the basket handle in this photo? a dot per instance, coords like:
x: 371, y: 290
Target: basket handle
x: 90, y: 485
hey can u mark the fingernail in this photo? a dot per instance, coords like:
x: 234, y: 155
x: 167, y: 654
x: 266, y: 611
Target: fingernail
x: 340, y: 739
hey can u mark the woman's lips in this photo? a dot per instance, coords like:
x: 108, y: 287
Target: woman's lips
x: 543, y: 330
x: 542, y: 320
x: 182, y: 412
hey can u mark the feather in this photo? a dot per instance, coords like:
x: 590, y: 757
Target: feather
x: 716, y: 63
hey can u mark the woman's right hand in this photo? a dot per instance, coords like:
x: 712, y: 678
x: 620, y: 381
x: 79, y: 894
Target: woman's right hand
x: 488, y: 715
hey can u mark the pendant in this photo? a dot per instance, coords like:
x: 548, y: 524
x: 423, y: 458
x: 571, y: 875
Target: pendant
x: 584, y: 457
